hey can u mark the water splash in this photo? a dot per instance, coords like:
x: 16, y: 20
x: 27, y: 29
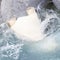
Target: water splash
x: 50, y: 21
x: 10, y: 45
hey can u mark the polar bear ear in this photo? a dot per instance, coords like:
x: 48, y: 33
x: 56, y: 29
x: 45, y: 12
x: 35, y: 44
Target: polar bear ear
x: 30, y: 10
x: 11, y: 22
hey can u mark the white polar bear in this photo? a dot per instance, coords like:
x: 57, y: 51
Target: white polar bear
x: 28, y: 27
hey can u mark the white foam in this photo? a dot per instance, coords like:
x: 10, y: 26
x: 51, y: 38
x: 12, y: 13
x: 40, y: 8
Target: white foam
x: 11, y: 51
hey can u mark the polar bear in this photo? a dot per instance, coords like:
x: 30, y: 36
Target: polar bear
x: 27, y: 27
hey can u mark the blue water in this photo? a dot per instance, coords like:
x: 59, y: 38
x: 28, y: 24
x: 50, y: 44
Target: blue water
x: 13, y: 48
